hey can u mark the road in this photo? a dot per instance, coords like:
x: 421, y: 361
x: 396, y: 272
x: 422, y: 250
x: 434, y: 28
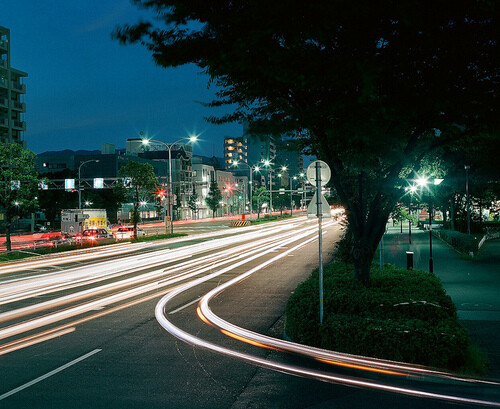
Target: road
x: 82, y: 333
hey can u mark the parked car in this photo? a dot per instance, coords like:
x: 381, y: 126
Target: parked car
x: 93, y: 234
x: 127, y: 232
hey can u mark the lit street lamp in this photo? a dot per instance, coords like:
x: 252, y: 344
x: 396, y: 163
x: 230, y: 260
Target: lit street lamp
x: 425, y: 182
x: 252, y: 169
x: 270, y: 171
x: 193, y: 138
x: 79, y: 181
x: 411, y: 190
x: 467, y: 167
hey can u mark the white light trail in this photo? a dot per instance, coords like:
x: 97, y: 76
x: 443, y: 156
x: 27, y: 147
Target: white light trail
x: 256, y: 339
x: 235, y: 256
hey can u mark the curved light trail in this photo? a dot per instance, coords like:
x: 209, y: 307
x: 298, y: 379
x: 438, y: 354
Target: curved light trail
x: 356, y: 362
x: 151, y: 275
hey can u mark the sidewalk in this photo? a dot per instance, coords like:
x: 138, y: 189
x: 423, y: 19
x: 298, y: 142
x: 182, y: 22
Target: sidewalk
x: 473, y: 284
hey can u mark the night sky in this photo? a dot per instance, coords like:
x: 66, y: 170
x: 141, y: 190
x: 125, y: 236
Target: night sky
x: 85, y: 89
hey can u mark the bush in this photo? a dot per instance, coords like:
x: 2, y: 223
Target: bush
x: 413, y: 341
x: 462, y: 242
x: 343, y: 248
x: 404, y: 316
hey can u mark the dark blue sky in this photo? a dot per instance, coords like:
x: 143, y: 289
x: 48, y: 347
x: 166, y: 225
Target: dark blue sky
x: 85, y: 89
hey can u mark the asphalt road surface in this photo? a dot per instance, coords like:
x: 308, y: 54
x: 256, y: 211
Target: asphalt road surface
x: 81, y: 332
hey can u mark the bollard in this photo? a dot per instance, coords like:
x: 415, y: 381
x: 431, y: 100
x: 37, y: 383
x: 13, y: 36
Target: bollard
x: 409, y: 260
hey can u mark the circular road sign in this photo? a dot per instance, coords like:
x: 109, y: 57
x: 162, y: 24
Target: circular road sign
x: 325, y: 173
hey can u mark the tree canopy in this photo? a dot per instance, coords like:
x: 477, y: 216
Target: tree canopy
x: 18, y: 183
x: 214, y: 197
x: 372, y: 88
x: 142, y: 182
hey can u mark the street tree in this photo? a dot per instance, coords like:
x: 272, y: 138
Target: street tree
x: 372, y: 88
x: 214, y: 197
x: 18, y: 184
x: 260, y: 196
x: 281, y: 201
x: 193, y: 203
x: 141, y: 183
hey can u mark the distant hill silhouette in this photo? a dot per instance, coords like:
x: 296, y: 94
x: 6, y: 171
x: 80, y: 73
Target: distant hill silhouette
x: 67, y: 152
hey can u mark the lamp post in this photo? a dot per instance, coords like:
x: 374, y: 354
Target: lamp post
x: 411, y: 190
x: 236, y: 163
x: 424, y: 182
x: 303, y: 200
x: 467, y: 167
x: 269, y: 176
x: 270, y: 171
x: 79, y: 181
x: 169, y: 147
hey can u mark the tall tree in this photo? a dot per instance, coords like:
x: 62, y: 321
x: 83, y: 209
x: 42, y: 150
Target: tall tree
x: 214, y: 197
x: 370, y: 87
x: 193, y: 203
x: 18, y: 184
x: 142, y: 184
x: 260, y: 196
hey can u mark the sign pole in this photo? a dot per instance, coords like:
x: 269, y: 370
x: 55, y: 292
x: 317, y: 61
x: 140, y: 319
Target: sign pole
x: 320, y: 238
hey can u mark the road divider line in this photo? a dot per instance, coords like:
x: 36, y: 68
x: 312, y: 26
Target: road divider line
x: 185, y: 306
x: 49, y: 374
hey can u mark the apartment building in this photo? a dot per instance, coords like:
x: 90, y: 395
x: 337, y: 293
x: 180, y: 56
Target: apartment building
x: 235, y: 149
x: 12, y: 91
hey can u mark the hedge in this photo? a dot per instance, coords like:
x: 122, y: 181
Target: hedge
x: 404, y: 316
x: 464, y: 243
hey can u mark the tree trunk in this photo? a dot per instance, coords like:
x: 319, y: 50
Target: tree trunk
x: 8, y: 242
x: 452, y: 212
x: 363, y: 255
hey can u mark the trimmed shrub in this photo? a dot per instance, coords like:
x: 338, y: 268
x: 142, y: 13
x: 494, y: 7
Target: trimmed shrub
x: 343, y: 248
x: 460, y: 241
x: 403, y: 316
x: 413, y: 341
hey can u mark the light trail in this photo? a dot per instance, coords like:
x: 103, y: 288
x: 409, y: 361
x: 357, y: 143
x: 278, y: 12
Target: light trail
x: 336, y: 358
x: 34, y: 339
x: 268, y: 342
x: 88, y: 254
x: 25, y: 287
x: 235, y: 256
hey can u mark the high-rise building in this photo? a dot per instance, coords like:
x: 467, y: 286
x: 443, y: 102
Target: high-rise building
x: 12, y: 91
x: 290, y: 158
x: 235, y: 149
x: 260, y: 147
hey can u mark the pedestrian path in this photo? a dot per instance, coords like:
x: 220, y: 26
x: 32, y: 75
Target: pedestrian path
x: 473, y: 284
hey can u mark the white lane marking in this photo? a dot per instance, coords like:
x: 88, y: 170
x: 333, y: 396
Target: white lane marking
x: 49, y: 374
x: 185, y: 306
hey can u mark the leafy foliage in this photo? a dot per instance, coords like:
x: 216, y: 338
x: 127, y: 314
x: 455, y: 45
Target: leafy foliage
x: 462, y: 242
x: 193, y: 202
x: 260, y: 196
x: 143, y: 185
x: 18, y: 183
x: 403, y: 316
x: 373, y: 88
x: 214, y: 197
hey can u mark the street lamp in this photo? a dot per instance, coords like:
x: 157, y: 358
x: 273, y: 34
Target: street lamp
x: 411, y: 190
x: 467, y: 167
x: 291, y: 179
x: 79, y: 181
x: 146, y: 142
x: 270, y: 170
x: 425, y: 182
x: 235, y: 163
